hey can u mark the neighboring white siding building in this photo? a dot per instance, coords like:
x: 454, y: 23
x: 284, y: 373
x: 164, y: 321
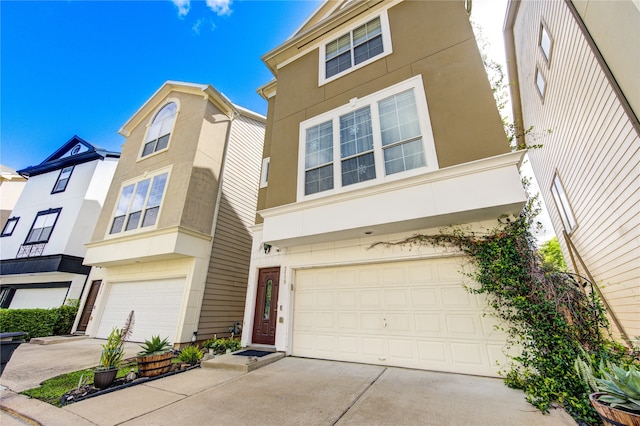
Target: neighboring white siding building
x: 42, y: 242
x: 575, y: 68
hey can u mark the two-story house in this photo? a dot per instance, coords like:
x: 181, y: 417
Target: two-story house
x: 381, y: 124
x: 42, y: 241
x: 574, y: 68
x: 172, y: 242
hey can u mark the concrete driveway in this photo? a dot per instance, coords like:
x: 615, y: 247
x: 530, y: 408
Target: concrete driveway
x: 296, y: 391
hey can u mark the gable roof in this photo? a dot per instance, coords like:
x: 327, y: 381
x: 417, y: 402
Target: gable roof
x: 75, y: 151
x: 327, y: 17
x: 217, y: 98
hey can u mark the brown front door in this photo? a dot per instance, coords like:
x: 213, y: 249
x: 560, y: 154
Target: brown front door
x: 264, y: 323
x: 88, y: 306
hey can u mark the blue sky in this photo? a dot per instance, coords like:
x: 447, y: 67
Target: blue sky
x: 84, y: 67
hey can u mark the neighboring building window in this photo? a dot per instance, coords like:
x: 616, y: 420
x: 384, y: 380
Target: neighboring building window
x: 43, y: 226
x: 63, y: 179
x: 370, y: 139
x: 356, y: 48
x: 6, y: 295
x: 9, y: 227
x: 139, y: 204
x: 541, y: 83
x: 562, y: 203
x: 160, y: 130
x: 264, y: 174
x: 545, y: 42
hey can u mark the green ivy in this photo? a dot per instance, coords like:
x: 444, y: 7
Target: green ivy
x: 545, y: 310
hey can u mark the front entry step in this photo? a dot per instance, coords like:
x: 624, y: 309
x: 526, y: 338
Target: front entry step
x: 241, y: 362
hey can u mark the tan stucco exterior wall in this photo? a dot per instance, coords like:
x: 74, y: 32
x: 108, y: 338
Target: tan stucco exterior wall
x: 432, y: 39
x: 195, y: 155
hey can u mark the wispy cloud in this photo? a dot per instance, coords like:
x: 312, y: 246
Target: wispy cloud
x: 201, y: 24
x: 183, y: 7
x: 219, y: 7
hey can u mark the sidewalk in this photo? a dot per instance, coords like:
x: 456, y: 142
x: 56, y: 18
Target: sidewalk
x: 295, y: 391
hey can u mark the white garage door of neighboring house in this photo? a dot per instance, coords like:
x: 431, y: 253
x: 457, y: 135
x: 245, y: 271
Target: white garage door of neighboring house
x: 407, y: 314
x: 156, y: 305
x: 44, y: 298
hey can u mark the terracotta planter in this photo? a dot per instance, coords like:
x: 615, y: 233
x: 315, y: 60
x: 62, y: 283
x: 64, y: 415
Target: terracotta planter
x: 154, y: 365
x: 613, y: 416
x: 102, y: 379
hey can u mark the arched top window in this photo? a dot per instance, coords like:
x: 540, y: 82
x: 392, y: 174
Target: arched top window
x: 160, y: 130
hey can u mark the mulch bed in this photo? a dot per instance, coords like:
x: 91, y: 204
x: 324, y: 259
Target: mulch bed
x: 89, y: 391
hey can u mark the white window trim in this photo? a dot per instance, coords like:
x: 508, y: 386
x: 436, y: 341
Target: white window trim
x: 386, y: 46
x: 431, y: 158
x: 545, y: 28
x: 148, y: 128
x: 542, y: 92
x: 564, y: 207
x: 146, y: 175
x: 264, y: 173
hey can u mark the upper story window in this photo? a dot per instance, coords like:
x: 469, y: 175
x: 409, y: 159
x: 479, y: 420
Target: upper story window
x: 63, y: 180
x: 43, y: 226
x: 369, y: 140
x: 541, y: 83
x: 545, y: 42
x: 10, y: 226
x: 363, y: 44
x: 264, y: 173
x: 139, y: 204
x: 562, y: 204
x: 160, y: 130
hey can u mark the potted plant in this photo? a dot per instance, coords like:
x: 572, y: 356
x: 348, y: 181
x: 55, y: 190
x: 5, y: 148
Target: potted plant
x: 112, y: 354
x: 616, y: 388
x: 155, y: 357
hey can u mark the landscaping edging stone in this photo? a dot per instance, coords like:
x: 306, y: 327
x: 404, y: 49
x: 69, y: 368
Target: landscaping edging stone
x: 67, y: 399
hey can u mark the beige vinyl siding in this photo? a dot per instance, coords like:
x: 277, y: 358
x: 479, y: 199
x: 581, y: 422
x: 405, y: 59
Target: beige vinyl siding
x: 225, y: 290
x: 594, y: 148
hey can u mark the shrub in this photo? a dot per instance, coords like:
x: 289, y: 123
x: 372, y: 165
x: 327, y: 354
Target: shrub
x: 220, y: 346
x: 191, y: 355
x: 38, y: 322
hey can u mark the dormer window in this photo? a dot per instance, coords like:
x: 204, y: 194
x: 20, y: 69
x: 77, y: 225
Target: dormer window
x: 158, y: 135
x: 63, y: 179
x: 360, y: 46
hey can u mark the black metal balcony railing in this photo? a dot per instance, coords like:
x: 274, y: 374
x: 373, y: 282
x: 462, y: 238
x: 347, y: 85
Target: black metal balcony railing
x: 31, y: 250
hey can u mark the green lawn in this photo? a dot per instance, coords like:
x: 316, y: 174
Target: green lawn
x: 51, y: 390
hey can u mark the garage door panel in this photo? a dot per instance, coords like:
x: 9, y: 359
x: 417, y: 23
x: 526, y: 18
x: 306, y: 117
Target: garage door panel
x: 371, y: 299
x: 42, y: 298
x: 426, y: 298
x: 397, y: 298
x: 156, y: 305
x: 409, y: 314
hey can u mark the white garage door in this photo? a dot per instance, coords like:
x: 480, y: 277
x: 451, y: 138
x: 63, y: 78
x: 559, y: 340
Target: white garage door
x: 409, y: 314
x: 156, y: 305
x: 43, y: 298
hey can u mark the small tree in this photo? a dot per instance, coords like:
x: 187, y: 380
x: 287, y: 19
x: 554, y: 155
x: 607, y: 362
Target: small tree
x: 552, y: 254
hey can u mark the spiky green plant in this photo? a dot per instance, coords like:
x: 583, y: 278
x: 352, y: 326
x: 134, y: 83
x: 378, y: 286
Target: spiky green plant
x: 155, y: 346
x: 620, y: 385
x: 191, y: 355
